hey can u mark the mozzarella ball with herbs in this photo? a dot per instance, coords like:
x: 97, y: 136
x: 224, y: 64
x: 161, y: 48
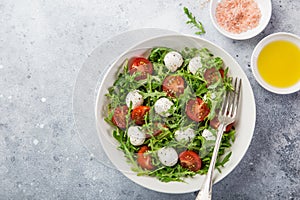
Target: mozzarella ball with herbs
x: 185, y: 134
x: 136, y: 136
x: 208, y: 135
x: 135, y: 98
x: 167, y: 156
x: 173, y: 60
x: 162, y: 107
x: 194, y: 64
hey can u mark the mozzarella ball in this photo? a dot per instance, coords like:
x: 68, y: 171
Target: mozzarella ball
x: 186, y: 135
x: 208, y: 135
x: 173, y: 60
x: 167, y: 156
x: 135, y: 97
x: 136, y: 136
x: 194, y: 64
x: 162, y: 106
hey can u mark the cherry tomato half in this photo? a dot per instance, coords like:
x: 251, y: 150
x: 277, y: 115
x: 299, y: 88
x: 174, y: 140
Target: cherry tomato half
x: 144, y: 160
x: 215, y: 124
x: 119, y: 117
x: 140, y: 64
x: 222, y: 72
x: 157, y: 129
x: 197, y: 109
x: 173, y: 85
x: 138, y: 114
x: 190, y: 160
x: 212, y: 75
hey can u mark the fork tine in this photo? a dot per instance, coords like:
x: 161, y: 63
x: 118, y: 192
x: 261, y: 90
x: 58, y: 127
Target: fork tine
x: 225, y: 104
x: 232, y: 102
x: 231, y: 110
x: 237, y: 92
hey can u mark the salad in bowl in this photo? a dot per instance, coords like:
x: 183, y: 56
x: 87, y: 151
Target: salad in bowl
x: 162, y: 108
x: 156, y: 113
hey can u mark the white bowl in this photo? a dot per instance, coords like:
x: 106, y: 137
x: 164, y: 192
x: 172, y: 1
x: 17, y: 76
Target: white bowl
x: 265, y: 7
x: 271, y: 38
x: 244, y: 125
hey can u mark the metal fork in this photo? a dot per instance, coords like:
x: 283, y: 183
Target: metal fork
x: 227, y: 115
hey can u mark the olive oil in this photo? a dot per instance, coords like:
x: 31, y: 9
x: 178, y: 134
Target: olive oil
x: 279, y: 64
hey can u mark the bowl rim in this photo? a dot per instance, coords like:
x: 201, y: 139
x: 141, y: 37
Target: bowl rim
x: 265, y: 41
x: 244, y: 35
x: 166, y: 187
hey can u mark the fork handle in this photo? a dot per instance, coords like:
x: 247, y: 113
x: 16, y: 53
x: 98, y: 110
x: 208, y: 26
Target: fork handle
x: 205, y: 192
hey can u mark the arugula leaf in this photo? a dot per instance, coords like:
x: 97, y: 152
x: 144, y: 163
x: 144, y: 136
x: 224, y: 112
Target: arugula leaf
x: 157, y: 54
x: 194, y: 22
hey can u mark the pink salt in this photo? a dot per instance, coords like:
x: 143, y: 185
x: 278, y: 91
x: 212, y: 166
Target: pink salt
x: 237, y: 16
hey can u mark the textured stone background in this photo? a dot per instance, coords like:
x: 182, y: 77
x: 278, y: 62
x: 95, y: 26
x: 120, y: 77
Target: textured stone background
x: 43, y: 45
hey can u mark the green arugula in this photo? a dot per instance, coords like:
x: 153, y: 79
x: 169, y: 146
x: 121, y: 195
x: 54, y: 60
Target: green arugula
x: 194, y: 22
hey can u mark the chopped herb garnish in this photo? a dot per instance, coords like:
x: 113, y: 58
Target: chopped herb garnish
x: 194, y: 22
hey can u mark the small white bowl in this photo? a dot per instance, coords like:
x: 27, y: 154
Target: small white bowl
x: 271, y: 38
x: 265, y: 7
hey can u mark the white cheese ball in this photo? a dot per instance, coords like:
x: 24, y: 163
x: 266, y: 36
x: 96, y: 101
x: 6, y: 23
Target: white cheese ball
x: 136, y: 136
x: 162, y: 106
x: 173, y: 60
x: 186, y: 135
x: 135, y: 97
x: 194, y: 64
x: 208, y: 135
x: 167, y: 156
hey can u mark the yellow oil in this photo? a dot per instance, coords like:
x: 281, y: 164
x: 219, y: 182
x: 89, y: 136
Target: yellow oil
x: 279, y: 64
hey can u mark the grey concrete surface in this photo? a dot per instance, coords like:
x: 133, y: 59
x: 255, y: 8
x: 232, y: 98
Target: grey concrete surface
x: 43, y: 45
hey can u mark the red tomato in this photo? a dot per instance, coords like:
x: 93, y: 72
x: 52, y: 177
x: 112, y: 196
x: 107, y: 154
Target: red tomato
x: 173, y: 85
x: 119, y: 117
x: 215, y: 124
x: 138, y: 114
x: 212, y: 75
x: 144, y: 160
x: 190, y: 160
x: 157, y: 129
x: 140, y: 64
x: 196, y: 109
x: 222, y: 72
